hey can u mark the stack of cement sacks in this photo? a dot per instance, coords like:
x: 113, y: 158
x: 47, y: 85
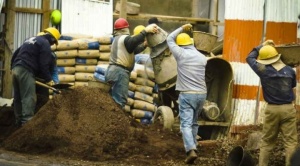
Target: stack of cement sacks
x: 78, y: 55
x: 141, y: 105
x: 142, y: 91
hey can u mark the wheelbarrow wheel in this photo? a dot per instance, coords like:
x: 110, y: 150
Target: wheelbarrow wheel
x: 164, y: 115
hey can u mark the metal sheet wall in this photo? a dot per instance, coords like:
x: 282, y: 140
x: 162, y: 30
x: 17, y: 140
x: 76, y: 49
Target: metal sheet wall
x: 243, y: 31
x: 87, y: 17
x: 27, y: 24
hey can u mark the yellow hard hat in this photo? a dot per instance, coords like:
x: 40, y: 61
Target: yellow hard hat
x: 183, y: 39
x: 138, y: 29
x: 40, y: 33
x: 54, y: 32
x: 268, y: 55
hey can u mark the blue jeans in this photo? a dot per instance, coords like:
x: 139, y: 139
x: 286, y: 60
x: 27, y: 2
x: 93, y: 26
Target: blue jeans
x: 119, y: 79
x: 190, y: 105
x: 24, y: 94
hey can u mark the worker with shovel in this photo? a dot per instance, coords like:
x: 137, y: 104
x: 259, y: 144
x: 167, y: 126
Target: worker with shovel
x: 278, y: 82
x: 191, y: 85
x: 121, y: 61
x: 33, y: 58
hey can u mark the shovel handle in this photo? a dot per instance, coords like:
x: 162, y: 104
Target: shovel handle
x: 47, y: 86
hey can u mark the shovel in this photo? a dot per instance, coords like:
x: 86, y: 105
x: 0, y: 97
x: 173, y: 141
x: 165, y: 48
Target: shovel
x: 62, y: 86
x: 55, y: 88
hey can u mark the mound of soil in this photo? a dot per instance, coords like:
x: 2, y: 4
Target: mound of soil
x: 85, y: 127
x: 85, y: 123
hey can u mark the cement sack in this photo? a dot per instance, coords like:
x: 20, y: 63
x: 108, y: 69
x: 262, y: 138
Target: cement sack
x: 67, y: 45
x: 145, y: 73
x: 104, y: 56
x: 66, y: 54
x: 107, y: 39
x: 144, y: 89
x: 88, y: 44
x: 99, y: 77
x: 132, y: 86
x: 105, y: 48
x: 101, y: 62
x: 74, y: 36
x: 101, y: 68
x: 143, y: 105
x: 144, y: 81
x: 65, y: 62
x: 66, y: 70
x: 143, y: 97
x: 67, y: 82
x: 84, y: 61
x: 84, y: 76
x: 141, y: 114
x: 131, y: 94
x: 89, y: 54
x: 53, y: 47
x: 79, y: 83
x: 66, y: 78
x: 133, y: 76
x: 85, y: 68
x: 130, y: 101
x: 142, y: 59
x: 127, y: 108
x: 144, y: 121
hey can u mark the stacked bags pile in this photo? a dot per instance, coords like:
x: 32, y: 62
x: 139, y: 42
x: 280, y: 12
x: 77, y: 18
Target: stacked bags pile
x: 142, y: 90
x: 78, y: 55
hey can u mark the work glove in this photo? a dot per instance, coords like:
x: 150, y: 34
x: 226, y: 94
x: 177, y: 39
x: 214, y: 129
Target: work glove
x: 152, y: 28
x: 269, y: 42
x: 50, y: 83
x: 187, y: 27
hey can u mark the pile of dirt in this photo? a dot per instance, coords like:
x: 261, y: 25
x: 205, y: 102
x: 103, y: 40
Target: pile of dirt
x: 85, y: 123
x: 87, y: 126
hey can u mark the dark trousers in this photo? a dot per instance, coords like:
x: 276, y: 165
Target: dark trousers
x: 24, y: 94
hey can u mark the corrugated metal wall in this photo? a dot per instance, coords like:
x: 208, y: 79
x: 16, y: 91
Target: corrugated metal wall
x: 87, y: 17
x: 27, y: 24
x: 243, y: 31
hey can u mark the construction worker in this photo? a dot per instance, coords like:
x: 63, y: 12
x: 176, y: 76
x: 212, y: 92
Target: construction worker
x: 42, y: 93
x: 121, y: 61
x: 191, y: 85
x: 143, y: 47
x: 278, y: 82
x: 33, y: 58
x: 153, y: 20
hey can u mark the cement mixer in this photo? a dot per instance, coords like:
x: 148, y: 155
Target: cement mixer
x: 216, y: 114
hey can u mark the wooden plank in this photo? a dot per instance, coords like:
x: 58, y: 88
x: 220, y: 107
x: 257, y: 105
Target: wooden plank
x: 9, y: 48
x: 123, y: 10
x: 168, y: 18
x: 195, y: 8
x: 210, y: 123
x: 29, y: 10
x: 214, y: 30
x: 46, y: 14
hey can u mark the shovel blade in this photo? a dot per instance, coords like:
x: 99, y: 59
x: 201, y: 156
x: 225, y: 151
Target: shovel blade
x: 62, y: 86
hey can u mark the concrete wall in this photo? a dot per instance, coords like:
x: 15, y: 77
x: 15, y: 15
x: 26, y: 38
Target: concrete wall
x: 181, y: 8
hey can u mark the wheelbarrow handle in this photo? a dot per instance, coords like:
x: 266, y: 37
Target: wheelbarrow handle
x: 47, y: 86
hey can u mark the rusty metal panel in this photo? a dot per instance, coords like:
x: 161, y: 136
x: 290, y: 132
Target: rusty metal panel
x: 87, y: 17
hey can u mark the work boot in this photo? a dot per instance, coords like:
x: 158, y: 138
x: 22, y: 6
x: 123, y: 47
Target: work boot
x: 191, y: 157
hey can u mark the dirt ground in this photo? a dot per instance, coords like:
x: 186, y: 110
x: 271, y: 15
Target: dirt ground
x: 85, y: 127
